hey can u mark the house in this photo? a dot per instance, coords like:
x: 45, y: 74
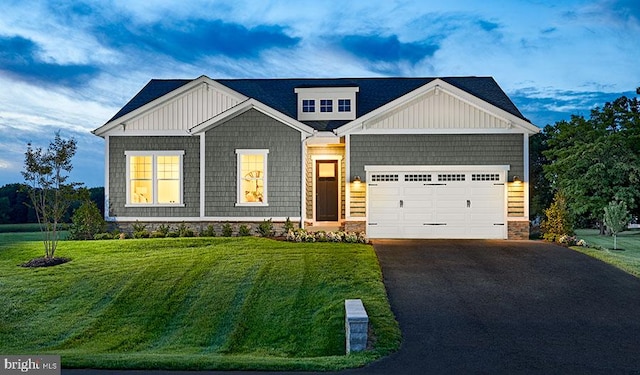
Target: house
x: 395, y: 157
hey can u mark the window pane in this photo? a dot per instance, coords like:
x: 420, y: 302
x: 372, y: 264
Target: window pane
x: 141, y: 191
x: 168, y: 167
x: 308, y: 105
x: 141, y: 167
x: 168, y: 191
x: 326, y: 105
x: 251, y: 178
x: 344, y: 105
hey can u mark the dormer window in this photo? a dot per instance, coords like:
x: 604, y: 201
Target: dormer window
x: 308, y: 105
x: 326, y: 103
x: 344, y: 105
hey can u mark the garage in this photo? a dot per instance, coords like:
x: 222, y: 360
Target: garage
x: 436, y: 202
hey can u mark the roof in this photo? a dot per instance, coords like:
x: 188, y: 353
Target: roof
x: 373, y: 93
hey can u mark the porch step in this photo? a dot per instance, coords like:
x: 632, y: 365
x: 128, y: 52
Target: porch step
x: 326, y: 228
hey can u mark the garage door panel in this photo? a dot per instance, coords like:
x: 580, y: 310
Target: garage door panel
x: 460, y: 205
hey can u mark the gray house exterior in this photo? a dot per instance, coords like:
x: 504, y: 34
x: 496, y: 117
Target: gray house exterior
x: 393, y: 157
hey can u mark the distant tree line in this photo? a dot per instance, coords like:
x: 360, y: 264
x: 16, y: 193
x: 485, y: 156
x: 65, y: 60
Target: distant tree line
x: 588, y: 163
x: 15, y: 204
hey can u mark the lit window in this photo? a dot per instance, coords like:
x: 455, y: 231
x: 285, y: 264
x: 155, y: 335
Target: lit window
x: 252, y: 177
x: 326, y: 105
x: 154, y: 177
x: 308, y: 105
x: 344, y: 105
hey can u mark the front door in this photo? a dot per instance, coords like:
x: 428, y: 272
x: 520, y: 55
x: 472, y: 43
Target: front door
x: 327, y: 190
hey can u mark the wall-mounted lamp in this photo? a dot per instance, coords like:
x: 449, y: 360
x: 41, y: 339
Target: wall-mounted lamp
x: 516, y: 179
x: 356, y: 180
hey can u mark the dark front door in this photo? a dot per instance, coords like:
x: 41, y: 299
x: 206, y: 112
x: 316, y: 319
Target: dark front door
x: 327, y: 190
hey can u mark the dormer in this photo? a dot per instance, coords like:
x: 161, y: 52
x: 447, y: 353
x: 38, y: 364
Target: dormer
x: 326, y: 103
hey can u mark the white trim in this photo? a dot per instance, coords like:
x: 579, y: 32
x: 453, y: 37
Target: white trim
x: 314, y: 159
x: 154, y: 177
x: 347, y: 176
x: 157, y: 219
x: 303, y: 177
x: 146, y: 133
x: 245, y: 106
x: 164, y: 99
x: 435, y: 168
x: 265, y: 188
x: 437, y: 85
x: 525, y: 178
x: 106, y: 177
x: 203, y: 168
x: 365, y: 131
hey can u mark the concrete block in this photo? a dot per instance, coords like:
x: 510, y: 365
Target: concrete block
x: 356, y: 325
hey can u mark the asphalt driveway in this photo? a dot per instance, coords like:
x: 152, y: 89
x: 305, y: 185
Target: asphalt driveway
x: 468, y: 307
x: 508, y: 307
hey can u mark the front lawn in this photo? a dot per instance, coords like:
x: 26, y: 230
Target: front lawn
x: 600, y: 247
x: 193, y: 303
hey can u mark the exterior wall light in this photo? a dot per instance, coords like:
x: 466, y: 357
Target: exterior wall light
x: 516, y: 179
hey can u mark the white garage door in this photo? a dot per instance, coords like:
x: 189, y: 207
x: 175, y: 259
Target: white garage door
x: 436, y: 204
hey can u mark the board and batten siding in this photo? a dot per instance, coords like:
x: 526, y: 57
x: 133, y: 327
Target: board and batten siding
x: 437, y: 110
x: 253, y: 130
x: 440, y: 149
x: 118, y: 175
x: 184, y: 111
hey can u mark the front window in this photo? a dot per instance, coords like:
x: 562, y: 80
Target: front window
x: 326, y: 105
x: 252, y: 177
x: 154, y: 177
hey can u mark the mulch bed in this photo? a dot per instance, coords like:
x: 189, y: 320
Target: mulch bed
x: 44, y: 262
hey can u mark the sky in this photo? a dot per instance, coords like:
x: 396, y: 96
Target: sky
x: 69, y: 66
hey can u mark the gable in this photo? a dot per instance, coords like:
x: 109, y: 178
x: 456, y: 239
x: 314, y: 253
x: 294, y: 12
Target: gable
x: 440, y: 107
x: 437, y: 110
x: 175, y: 112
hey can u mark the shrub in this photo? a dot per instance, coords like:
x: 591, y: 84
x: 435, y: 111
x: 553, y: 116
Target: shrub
x: 265, y: 229
x: 173, y: 234
x: 164, y: 229
x: 210, y: 231
x: 558, y: 220
x: 244, y: 231
x: 103, y: 236
x: 185, y: 231
x: 288, y: 226
x: 87, y: 221
x: 301, y: 235
x: 141, y: 234
x: 138, y: 227
x: 227, y: 230
x: 157, y: 234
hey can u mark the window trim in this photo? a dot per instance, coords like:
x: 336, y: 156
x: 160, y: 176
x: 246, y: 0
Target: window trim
x: 154, y: 177
x: 265, y: 186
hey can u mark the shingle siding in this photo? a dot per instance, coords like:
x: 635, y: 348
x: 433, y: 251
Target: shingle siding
x: 253, y: 130
x: 437, y: 149
x: 118, y: 175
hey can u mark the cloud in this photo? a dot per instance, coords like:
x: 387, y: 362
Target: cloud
x: 197, y: 38
x: 19, y: 58
x: 379, y: 49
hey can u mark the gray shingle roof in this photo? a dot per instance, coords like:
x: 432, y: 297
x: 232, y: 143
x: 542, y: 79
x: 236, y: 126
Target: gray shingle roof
x: 373, y: 93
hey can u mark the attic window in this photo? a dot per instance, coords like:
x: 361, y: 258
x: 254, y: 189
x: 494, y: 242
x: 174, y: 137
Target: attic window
x: 344, y: 105
x: 326, y: 105
x: 308, y: 105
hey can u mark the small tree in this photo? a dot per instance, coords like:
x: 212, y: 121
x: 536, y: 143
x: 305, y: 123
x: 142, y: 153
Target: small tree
x: 616, y: 218
x: 46, y: 173
x: 558, y: 219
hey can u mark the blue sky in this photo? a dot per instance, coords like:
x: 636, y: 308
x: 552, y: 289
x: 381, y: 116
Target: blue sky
x: 69, y: 66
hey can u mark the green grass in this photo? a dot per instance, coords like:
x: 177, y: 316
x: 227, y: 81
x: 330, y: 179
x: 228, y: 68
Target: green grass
x: 600, y: 247
x: 217, y: 303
